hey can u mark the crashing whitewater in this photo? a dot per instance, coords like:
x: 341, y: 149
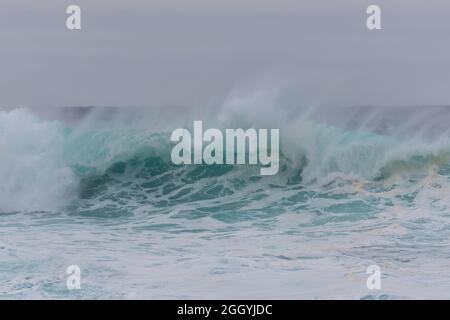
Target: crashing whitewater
x: 106, y: 196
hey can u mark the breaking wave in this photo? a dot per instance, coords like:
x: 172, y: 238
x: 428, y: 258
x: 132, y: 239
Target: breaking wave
x: 46, y: 164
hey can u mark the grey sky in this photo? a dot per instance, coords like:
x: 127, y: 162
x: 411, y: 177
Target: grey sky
x: 196, y: 51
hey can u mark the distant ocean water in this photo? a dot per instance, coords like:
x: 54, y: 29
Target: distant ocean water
x: 108, y: 199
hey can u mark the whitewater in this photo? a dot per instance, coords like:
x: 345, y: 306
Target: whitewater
x: 95, y: 187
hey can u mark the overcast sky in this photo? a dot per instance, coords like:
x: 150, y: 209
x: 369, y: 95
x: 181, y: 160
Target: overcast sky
x: 190, y: 52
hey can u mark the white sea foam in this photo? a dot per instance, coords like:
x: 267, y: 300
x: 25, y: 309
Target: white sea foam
x: 33, y: 175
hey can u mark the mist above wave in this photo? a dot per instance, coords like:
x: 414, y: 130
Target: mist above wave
x: 49, y: 154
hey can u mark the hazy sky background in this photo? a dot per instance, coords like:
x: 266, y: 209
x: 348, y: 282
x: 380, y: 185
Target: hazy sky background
x: 190, y: 52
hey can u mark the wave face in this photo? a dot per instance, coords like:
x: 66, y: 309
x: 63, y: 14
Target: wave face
x: 109, y: 199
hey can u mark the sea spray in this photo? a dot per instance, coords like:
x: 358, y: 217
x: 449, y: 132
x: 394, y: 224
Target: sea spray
x: 33, y: 174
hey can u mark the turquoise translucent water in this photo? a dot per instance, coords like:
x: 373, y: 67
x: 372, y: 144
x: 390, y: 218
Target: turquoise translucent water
x: 111, y: 202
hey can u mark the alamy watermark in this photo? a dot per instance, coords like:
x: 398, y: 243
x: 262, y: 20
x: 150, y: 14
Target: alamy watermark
x: 73, y: 21
x: 373, y: 21
x: 73, y: 281
x: 236, y: 146
x: 373, y: 281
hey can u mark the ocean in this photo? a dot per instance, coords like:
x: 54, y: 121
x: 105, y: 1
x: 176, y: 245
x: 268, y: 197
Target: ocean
x: 95, y: 188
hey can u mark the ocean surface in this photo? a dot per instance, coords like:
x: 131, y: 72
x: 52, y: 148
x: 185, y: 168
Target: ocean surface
x: 355, y: 189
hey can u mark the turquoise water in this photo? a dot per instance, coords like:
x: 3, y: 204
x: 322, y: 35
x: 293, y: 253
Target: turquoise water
x: 110, y: 201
